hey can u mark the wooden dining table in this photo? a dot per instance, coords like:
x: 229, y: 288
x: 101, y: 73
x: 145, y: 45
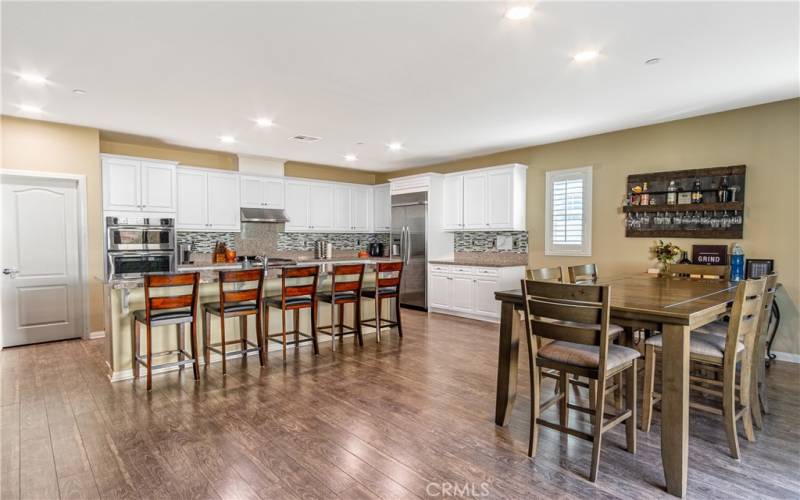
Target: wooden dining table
x: 675, y: 306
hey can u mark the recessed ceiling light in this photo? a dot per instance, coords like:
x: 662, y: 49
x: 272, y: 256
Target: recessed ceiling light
x: 652, y: 61
x: 518, y: 12
x: 227, y: 139
x: 78, y: 91
x: 395, y: 146
x: 350, y: 157
x: 264, y: 122
x: 29, y: 108
x: 586, y: 55
x: 32, y: 78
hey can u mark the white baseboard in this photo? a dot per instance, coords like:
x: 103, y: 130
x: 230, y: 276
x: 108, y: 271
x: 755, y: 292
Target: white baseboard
x: 100, y: 334
x: 464, y: 315
x: 787, y: 356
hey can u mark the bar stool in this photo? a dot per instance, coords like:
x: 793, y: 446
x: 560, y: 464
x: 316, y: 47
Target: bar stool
x: 386, y: 287
x: 161, y: 311
x: 239, y: 302
x: 294, y: 297
x: 346, y: 291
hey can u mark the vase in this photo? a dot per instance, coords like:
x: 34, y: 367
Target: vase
x: 665, y: 269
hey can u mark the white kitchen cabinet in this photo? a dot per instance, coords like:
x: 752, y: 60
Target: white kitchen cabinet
x: 261, y: 192
x: 359, y: 208
x: 320, y: 217
x: 341, y: 208
x: 138, y: 185
x: 298, y: 205
x: 454, y: 202
x: 468, y: 291
x: 208, y: 200
x: 382, y: 208
x: 492, y: 199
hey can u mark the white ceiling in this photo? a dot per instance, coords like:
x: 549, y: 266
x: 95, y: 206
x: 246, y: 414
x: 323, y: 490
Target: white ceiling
x: 447, y: 79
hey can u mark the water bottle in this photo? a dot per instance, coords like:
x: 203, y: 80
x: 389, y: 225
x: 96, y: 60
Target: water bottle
x: 737, y: 263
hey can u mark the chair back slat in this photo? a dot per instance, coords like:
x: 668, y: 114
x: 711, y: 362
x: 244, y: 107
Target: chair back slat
x: 699, y: 270
x: 354, y: 274
x: 172, y: 302
x: 298, y: 290
x: 546, y: 274
x: 252, y: 278
x: 766, y: 311
x: 552, y: 331
x: 564, y: 311
x: 387, y: 282
x: 241, y: 276
x: 182, y: 301
x: 389, y: 267
x: 304, y: 282
x: 388, y: 275
x: 583, y: 273
x: 747, y: 309
x: 300, y: 272
x: 240, y: 295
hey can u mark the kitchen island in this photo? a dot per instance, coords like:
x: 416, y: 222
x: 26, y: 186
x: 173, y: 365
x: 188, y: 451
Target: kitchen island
x: 123, y: 296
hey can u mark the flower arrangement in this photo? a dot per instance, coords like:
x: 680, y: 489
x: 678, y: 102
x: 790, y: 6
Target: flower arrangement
x: 665, y: 252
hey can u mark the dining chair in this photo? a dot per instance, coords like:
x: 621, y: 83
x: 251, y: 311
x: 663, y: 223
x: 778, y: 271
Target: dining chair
x: 553, y: 274
x: 388, y: 276
x: 585, y: 273
x: 166, y: 310
x: 699, y: 271
x: 346, y: 280
x: 240, y: 295
x: 576, y: 318
x: 298, y: 292
x: 723, y: 353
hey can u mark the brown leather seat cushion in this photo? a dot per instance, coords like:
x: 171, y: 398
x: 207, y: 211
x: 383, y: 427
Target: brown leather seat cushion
x: 586, y: 356
x: 703, y: 344
x: 290, y: 301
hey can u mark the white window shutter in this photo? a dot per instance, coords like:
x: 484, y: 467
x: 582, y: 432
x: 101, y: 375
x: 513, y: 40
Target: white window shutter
x: 569, y: 212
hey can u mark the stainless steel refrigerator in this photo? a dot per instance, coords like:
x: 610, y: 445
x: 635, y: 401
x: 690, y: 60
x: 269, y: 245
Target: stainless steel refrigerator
x: 409, y: 222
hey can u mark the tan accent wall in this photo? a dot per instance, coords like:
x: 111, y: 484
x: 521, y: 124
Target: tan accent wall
x: 766, y: 138
x: 146, y: 147
x: 327, y: 173
x: 52, y: 147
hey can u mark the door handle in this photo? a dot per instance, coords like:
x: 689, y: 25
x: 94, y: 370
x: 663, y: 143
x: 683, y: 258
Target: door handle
x: 11, y: 271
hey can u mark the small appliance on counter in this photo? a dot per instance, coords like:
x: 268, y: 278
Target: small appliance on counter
x: 375, y: 249
x: 185, y: 253
x: 323, y: 249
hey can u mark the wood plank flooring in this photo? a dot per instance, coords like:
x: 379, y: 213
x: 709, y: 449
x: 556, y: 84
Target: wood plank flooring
x: 410, y: 418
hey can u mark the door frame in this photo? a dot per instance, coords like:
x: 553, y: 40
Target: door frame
x: 83, y: 234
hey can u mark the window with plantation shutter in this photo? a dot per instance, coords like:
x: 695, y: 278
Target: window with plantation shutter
x: 568, y: 212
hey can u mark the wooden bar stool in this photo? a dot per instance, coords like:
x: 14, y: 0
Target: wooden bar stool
x: 387, y: 286
x: 297, y: 295
x: 344, y: 291
x: 239, y: 302
x: 166, y: 310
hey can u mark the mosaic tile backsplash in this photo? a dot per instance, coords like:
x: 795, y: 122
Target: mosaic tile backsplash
x: 340, y: 241
x: 204, y: 242
x: 485, y: 241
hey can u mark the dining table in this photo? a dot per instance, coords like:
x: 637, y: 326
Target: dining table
x: 672, y: 305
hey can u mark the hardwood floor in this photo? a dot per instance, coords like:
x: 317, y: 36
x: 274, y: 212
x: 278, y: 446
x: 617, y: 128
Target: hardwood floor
x: 403, y: 419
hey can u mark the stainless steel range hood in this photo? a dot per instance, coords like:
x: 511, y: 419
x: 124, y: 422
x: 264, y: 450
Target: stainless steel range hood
x: 263, y: 215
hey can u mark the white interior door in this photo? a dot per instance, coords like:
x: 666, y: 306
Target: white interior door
x: 41, y: 284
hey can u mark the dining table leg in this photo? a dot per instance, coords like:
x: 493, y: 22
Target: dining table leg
x: 675, y: 408
x: 510, y: 325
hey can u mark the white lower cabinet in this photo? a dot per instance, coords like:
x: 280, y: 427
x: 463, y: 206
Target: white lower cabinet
x: 468, y: 291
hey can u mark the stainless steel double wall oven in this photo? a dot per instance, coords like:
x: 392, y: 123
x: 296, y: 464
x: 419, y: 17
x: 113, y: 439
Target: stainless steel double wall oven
x: 136, y: 245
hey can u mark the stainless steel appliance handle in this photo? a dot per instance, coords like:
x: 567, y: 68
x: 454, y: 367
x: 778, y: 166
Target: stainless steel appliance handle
x: 411, y: 204
x: 408, y: 245
x: 403, y: 243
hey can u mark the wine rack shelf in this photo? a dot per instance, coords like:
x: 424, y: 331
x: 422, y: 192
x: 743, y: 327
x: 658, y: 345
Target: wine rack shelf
x: 721, y: 214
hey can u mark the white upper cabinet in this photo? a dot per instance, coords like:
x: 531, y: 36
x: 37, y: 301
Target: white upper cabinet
x: 320, y: 216
x: 475, y: 202
x: 261, y: 192
x: 454, y: 202
x: 382, y: 211
x: 223, y: 202
x: 341, y: 208
x: 491, y: 199
x: 298, y: 205
x: 208, y: 200
x: 359, y: 208
x: 134, y: 185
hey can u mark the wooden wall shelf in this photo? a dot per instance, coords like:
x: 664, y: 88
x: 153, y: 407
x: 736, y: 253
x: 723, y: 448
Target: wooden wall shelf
x: 640, y: 221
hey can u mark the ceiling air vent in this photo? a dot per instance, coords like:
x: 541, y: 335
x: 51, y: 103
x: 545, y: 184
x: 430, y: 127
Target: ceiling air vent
x: 304, y: 138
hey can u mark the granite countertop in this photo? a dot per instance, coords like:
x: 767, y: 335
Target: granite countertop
x: 209, y: 271
x: 457, y: 262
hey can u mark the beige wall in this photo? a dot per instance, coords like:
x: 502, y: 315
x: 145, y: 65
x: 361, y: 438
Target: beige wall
x: 327, y: 173
x: 52, y: 147
x: 766, y: 138
x: 146, y: 147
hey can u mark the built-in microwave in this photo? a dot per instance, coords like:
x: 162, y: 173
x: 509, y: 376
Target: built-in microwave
x: 136, y: 264
x: 137, y: 234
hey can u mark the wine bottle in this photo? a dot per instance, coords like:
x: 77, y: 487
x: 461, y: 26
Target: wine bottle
x: 672, y: 193
x: 645, y: 198
x: 722, y: 192
x: 697, y: 192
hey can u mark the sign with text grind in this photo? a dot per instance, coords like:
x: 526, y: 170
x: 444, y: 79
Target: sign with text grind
x: 710, y: 254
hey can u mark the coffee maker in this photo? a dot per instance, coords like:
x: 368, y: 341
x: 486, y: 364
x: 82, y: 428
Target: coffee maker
x: 185, y: 253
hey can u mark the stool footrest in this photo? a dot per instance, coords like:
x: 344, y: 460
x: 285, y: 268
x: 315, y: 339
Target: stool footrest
x: 142, y: 361
x: 142, y: 358
x: 278, y: 338
x: 326, y: 330
x: 385, y: 323
x: 215, y: 348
